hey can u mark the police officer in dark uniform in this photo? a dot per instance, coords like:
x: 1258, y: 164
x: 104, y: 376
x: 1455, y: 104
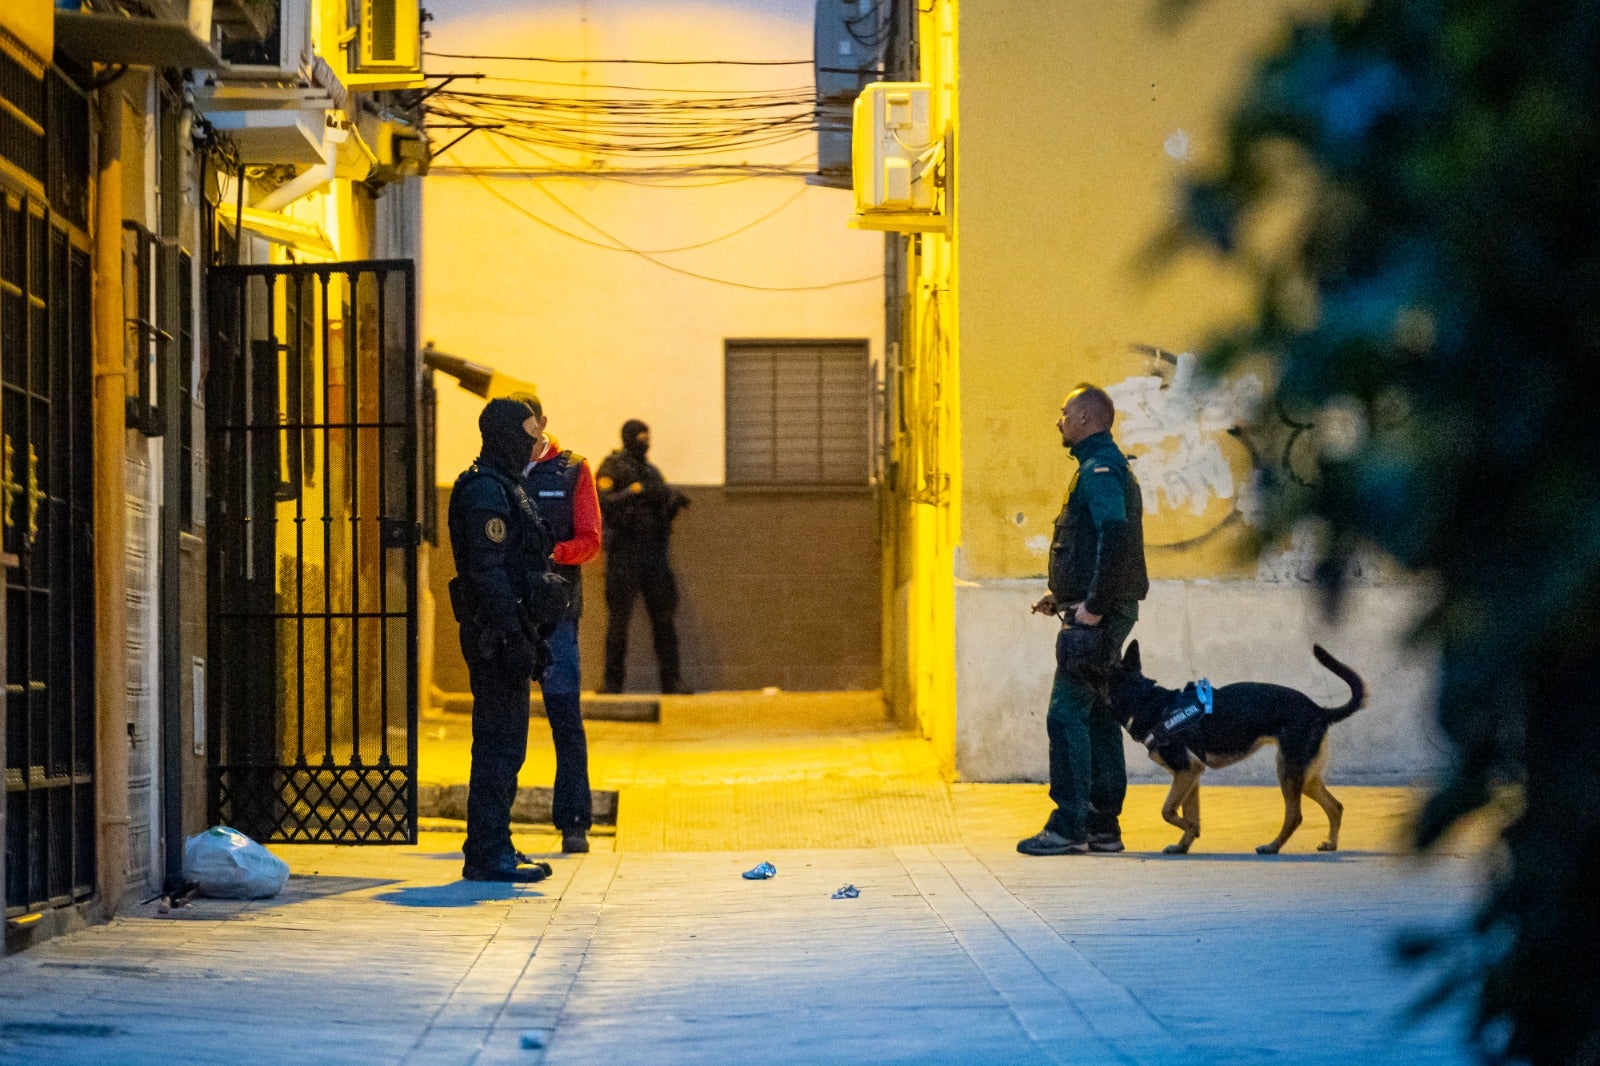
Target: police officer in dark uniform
x: 506, y: 601
x: 1097, y: 578
x: 639, y: 507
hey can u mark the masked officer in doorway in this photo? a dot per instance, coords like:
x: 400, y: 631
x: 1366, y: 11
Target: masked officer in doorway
x: 1097, y: 578
x: 639, y: 507
x: 507, y: 601
x: 562, y: 488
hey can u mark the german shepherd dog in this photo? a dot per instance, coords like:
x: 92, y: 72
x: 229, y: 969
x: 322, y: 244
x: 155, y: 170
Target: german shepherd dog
x: 1244, y: 717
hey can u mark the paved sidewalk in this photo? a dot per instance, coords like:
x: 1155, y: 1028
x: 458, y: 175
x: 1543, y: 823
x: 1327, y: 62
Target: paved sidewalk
x: 958, y: 953
x: 652, y: 949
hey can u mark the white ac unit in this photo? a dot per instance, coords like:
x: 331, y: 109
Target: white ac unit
x: 388, y: 36
x: 285, y: 54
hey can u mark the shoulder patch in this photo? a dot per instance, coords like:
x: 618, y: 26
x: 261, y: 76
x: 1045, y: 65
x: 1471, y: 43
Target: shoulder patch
x: 495, y: 530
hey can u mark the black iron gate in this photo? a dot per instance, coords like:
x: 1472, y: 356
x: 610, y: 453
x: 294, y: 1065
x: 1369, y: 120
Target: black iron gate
x: 311, y: 414
x: 46, y: 495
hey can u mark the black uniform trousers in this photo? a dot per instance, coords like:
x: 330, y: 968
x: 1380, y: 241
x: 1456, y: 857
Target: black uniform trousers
x: 629, y: 572
x: 501, y: 703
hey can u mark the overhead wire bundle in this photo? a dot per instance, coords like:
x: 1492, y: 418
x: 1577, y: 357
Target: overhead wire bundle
x: 617, y: 127
x: 635, y: 131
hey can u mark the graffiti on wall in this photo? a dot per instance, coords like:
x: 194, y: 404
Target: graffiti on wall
x: 1196, y: 469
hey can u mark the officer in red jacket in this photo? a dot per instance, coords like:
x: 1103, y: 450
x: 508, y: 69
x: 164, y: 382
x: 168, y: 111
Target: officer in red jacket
x: 562, y: 488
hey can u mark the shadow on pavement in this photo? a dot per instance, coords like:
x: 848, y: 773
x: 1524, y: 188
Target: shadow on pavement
x: 1250, y: 856
x: 301, y: 888
x: 456, y: 894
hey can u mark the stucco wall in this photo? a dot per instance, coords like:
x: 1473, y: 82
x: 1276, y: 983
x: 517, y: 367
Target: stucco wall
x: 1224, y: 630
x: 516, y: 274
x: 1079, y: 118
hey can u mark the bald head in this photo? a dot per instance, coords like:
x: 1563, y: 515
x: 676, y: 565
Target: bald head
x: 1086, y: 410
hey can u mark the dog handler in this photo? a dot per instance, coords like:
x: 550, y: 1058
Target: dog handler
x: 1097, y: 578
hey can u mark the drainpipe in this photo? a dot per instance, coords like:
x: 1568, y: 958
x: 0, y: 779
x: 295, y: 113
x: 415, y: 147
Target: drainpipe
x: 110, y: 518
x: 301, y: 185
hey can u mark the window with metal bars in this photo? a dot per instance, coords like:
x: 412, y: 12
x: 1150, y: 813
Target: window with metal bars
x: 798, y: 413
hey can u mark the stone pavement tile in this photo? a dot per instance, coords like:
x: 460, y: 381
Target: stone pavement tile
x: 1255, y: 959
x: 691, y: 963
x: 1061, y: 1000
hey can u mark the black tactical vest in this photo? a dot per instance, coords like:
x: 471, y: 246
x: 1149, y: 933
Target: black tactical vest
x: 552, y: 485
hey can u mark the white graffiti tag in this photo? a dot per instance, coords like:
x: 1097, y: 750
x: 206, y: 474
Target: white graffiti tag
x: 1174, y: 430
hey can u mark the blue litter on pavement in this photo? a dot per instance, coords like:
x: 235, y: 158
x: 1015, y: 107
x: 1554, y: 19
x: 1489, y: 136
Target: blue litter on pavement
x: 760, y: 872
x: 847, y: 892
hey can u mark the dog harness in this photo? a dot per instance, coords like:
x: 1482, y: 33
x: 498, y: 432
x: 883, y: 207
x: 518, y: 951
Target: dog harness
x: 1188, y: 710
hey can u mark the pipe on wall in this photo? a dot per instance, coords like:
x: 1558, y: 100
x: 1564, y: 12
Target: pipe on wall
x: 110, y: 521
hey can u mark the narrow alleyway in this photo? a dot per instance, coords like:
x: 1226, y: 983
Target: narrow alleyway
x: 652, y: 949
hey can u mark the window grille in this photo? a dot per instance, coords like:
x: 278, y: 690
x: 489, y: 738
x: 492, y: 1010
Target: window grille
x: 798, y: 413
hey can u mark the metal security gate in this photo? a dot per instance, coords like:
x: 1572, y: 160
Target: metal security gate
x: 311, y: 415
x: 46, y: 495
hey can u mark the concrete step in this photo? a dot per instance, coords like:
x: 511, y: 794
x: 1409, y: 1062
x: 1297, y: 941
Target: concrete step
x: 532, y: 806
x: 597, y: 707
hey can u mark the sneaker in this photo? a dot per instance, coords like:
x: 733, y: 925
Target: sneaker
x: 1049, y: 842
x: 678, y: 689
x: 574, y: 842
x: 505, y: 872
x: 1106, y: 842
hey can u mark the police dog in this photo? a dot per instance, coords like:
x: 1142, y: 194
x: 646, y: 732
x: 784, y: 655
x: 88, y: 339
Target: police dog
x: 1244, y: 717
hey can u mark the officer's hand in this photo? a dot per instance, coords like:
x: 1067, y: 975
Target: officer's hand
x: 1046, y: 604
x: 1081, y: 615
x: 520, y: 656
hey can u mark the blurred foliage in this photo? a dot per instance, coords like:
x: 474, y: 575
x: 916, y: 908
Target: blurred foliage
x: 1438, y: 309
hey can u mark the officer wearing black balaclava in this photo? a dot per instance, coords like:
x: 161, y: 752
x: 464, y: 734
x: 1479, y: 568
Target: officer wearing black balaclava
x: 506, y: 599
x: 638, y: 506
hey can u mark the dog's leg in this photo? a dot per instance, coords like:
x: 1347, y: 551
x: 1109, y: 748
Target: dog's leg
x: 1292, y: 781
x: 1185, y: 783
x: 1330, y: 806
x: 1191, y: 806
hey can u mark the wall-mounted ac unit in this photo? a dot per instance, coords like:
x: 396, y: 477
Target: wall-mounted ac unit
x: 263, y: 38
x: 175, y: 33
x: 388, y: 36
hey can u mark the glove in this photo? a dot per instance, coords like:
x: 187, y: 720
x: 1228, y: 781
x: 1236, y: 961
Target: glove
x: 519, y: 656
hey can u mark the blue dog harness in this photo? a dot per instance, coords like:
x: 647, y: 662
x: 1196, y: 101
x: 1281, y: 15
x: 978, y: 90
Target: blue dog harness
x: 1188, y: 711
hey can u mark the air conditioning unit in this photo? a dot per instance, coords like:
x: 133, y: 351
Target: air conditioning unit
x: 173, y: 33
x: 388, y: 36
x: 263, y: 38
x: 896, y: 156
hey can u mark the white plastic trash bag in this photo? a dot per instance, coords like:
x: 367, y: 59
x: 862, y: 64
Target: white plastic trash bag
x: 227, y: 864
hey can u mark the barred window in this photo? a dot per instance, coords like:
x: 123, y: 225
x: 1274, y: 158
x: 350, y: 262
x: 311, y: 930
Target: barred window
x: 798, y: 413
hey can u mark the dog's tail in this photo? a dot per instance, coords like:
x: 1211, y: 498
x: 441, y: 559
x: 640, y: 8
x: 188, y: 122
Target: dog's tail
x: 1358, y: 688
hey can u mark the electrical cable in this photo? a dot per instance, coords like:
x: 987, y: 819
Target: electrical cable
x: 623, y: 246
x: 806, y: 90
x: 642, y: 62
x: 620, y: 247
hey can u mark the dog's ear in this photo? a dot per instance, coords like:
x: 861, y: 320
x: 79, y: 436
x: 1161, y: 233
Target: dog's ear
x: 1130, y: 658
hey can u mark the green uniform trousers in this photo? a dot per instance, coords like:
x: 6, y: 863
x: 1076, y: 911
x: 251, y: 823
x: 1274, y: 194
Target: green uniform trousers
x: 1088, y: 777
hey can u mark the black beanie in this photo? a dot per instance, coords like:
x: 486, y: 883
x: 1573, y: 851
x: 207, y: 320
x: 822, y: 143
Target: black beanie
x: 505, y: 443
x: 630, y: 431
